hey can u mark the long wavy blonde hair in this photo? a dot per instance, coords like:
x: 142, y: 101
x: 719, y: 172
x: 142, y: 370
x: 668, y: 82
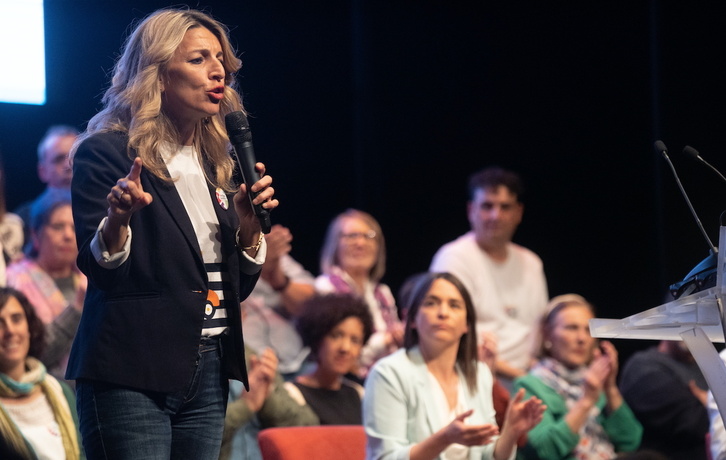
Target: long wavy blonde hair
x: 132, y: 104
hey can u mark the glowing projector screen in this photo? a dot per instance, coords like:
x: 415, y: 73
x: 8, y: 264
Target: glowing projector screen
x: 23, y: 80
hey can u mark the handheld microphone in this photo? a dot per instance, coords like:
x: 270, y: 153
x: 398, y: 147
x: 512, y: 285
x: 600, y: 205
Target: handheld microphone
x: 240, y: 136
x: 690, y: 151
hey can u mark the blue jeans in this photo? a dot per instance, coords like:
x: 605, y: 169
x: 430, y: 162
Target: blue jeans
x: 123, y: 423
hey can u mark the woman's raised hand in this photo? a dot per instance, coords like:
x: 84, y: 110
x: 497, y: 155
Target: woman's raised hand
x: 469, y: 435
x: 523, y: 415
x: 128, y: 196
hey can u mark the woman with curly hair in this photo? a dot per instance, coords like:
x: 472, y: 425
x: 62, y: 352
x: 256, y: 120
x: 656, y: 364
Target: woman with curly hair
x: 335, y: 327
x: 169, y: 244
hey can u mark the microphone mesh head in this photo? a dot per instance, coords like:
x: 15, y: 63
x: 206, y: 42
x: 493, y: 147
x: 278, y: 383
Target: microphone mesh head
x: 688, y: 150
x: 660, y: 146
x: 237, y: 125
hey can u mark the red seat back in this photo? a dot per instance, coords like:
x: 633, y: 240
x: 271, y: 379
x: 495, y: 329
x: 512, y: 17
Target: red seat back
x: 328, y: 442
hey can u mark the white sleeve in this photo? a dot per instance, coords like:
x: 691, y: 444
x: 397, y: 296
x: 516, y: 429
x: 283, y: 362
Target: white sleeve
x: 100, y: 251
x: 249, y: 265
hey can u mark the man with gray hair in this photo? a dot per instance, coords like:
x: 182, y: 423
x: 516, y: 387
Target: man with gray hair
x: 53, y: 167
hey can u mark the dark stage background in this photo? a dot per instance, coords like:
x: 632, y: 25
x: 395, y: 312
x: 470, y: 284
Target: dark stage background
x: 388, y: 106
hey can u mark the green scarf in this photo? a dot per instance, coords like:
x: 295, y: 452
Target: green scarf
x: 35, y: 376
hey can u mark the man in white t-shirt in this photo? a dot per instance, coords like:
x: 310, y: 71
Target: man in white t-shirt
x: 506, y: 281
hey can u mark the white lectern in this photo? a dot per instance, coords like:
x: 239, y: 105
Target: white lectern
x: 697, y: 319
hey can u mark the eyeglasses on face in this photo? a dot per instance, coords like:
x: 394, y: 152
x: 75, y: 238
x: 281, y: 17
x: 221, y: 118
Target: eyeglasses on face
x: 353, y: 236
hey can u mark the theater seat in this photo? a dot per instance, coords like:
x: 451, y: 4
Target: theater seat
x: 328, y: 442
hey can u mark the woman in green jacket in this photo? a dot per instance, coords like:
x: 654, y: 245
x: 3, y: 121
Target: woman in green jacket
x: 586, y: 416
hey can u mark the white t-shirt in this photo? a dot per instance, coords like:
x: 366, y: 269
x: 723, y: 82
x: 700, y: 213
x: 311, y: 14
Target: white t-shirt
x: 36, y: 422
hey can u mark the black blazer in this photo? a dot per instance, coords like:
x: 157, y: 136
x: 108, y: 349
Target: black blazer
x: 142, y: 321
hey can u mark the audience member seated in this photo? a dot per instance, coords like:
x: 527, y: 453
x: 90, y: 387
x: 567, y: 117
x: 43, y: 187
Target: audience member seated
x: 506, y: 281
x: 487, y: 351
x: 50, y: 279
x: 275, y: 302
x: 717, y: 431
x: 433, y: 399
x: 266, y: 405
x: 37, y: 413
x: 667, y: 393
x: 54, y: 170
x: 353, y: 260
x: 11, y: 234
x: 335, y: 327
x: 586, y: 416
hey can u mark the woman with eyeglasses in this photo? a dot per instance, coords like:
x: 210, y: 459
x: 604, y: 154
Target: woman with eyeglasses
x: 353, y: 261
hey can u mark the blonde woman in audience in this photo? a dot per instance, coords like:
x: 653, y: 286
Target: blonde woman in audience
x: 587, y: 417
x: 353, y: 261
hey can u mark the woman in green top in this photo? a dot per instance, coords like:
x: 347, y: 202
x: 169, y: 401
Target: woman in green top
x: 586, y: 417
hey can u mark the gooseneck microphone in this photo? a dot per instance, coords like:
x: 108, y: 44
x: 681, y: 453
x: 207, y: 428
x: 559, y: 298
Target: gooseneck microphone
x: 708, y: 276
x: 240, y: 136
x: 690, y: 151
x: 661, y: 148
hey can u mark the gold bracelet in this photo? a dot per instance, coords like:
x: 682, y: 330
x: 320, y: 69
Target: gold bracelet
x: 256, y: 247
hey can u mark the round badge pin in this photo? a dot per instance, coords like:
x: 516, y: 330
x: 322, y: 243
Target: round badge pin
x: 222, y: 198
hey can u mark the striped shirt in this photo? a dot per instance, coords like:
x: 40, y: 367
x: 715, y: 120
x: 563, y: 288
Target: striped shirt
x: 185, y: 169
